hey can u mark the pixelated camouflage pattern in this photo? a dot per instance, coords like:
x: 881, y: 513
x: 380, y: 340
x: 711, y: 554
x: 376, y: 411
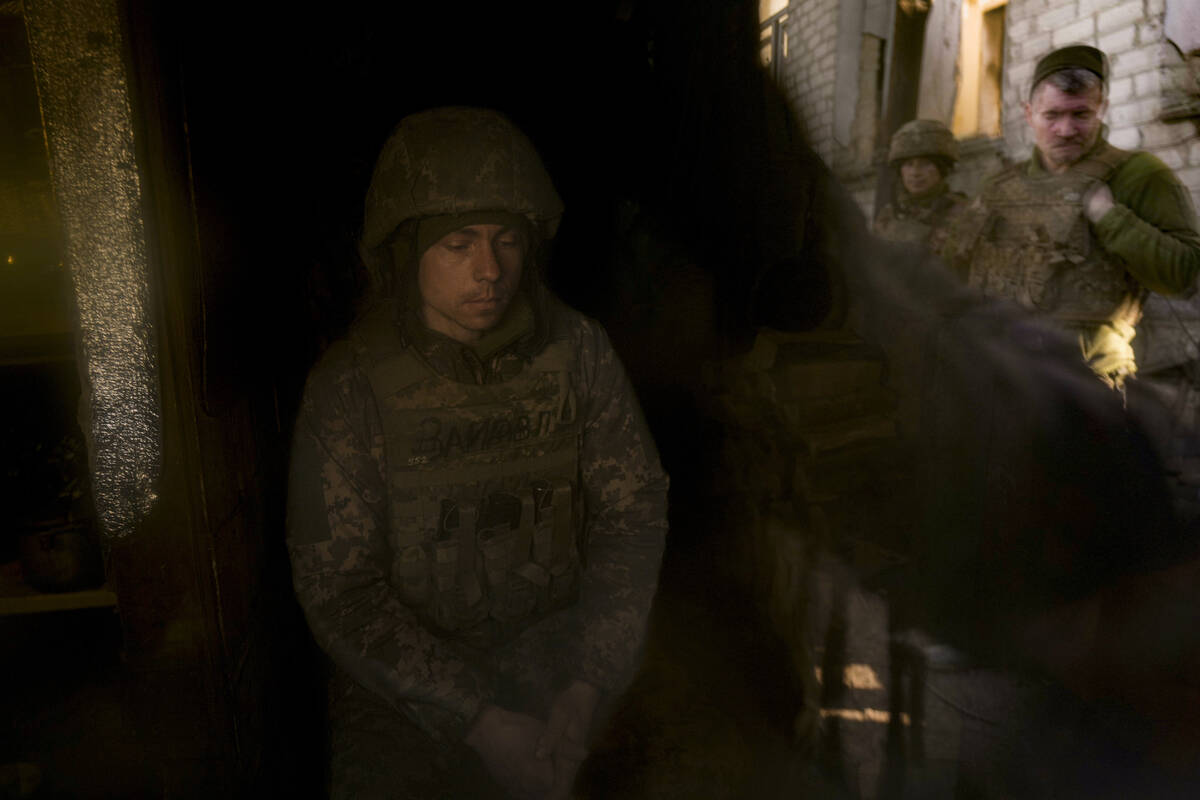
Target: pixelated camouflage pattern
x: 922, y: 137
x: 483, y: 487
x: 343, y: 548
x: 924, y: 221
x: 455, y: 160
x: 1036, y: 247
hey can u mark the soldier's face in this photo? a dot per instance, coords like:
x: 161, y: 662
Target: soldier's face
x: 468, y: 278
x: 1065, y: 126
x: 919, y: 175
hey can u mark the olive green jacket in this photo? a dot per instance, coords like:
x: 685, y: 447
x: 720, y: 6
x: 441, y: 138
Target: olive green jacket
x: 1152, y: 227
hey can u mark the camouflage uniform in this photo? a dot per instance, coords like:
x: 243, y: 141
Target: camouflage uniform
x: 468, y: 524
x: 921, y: 220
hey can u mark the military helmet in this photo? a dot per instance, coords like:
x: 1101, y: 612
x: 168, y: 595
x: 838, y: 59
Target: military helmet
x: 922, y: 137
x: 457, y: 160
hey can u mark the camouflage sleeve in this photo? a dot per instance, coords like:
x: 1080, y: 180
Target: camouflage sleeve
x: 963, y: 230
x: 625, y: 490
x: 883, y: 220
x: 939, y: 237
x: 1153, y: 226
x: 339, y: 553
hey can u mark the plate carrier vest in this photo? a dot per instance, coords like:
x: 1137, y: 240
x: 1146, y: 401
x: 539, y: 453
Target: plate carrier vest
x: 1037, y: 248
x: 914, y: 223
x: 484, y: 513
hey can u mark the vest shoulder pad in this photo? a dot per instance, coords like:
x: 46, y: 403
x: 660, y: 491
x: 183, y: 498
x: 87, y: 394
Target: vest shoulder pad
x: 1103, y: 162
x: 390, y: 365
x: 1006, y: 175
x: 557, y: 356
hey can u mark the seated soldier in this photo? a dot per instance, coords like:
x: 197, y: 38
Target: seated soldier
x: 476, y: 508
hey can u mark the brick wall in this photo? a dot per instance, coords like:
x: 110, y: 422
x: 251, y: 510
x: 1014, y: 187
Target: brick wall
x: 809, y: 73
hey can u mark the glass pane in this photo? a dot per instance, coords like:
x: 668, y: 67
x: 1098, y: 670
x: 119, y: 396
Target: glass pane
x: 769, y: 8
x: 49, y: 543
x: 35, y: 322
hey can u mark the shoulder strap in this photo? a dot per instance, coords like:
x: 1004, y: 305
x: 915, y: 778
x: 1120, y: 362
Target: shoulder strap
x: 390, y: 365
x: 1103, y: 162
x: 558, y: 356
x: 992, y: 185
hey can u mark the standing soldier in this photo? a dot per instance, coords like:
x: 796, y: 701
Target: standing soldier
x: 1082, y: 230
x: 923, y: 152
x: 476, y: 508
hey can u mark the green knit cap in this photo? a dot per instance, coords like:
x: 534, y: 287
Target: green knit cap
x: 1077, y: 56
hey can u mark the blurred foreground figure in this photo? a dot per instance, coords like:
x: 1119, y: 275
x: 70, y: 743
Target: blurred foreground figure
x: 923, y: 153
x: 476, y: 507
x: 1082, y: 230
x: 1043, y: 543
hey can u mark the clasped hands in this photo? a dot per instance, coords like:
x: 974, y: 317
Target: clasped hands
x: 537, y: 760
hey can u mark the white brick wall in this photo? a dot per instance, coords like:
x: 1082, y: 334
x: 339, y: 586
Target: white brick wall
x: 1121, y: 15
x: 1134, y: 61
x: 1190, y: 177
x: 1148, y: 83
x: 1080, y: 30
x: 1032, y: 47
x: 1120, y: 90
x: 1118, y: 41
x: 1021, y: 29
x: 1058, y: 16
x: 1157, y: 137
x: 1092, y: 6
x: 1133, y: 112
x: 1125, y: 138
x: 811, y: 69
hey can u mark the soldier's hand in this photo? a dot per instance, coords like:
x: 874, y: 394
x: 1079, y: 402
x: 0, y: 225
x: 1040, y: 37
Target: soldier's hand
x: 566, y: 734
x: 1107, y: 350
x: 507, y: 743
x: 1097, y: 201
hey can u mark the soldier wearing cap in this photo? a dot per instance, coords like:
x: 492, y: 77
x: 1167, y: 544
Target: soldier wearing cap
x: 476, y: 508
x: 923, y: 153
x: 1082, y: 231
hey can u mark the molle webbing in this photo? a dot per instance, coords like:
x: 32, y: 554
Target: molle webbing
x: 1037, y: 247
x: 482, y: 487
x: 560, y: 454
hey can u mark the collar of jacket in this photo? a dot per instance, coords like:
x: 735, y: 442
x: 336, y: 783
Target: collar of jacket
x: 1034, y: 168
x: 909, y: 201
x: 517, y: 335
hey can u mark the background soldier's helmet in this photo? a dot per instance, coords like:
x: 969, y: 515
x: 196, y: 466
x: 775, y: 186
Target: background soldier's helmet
x: 925, y: 138
x: 457, y: 160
